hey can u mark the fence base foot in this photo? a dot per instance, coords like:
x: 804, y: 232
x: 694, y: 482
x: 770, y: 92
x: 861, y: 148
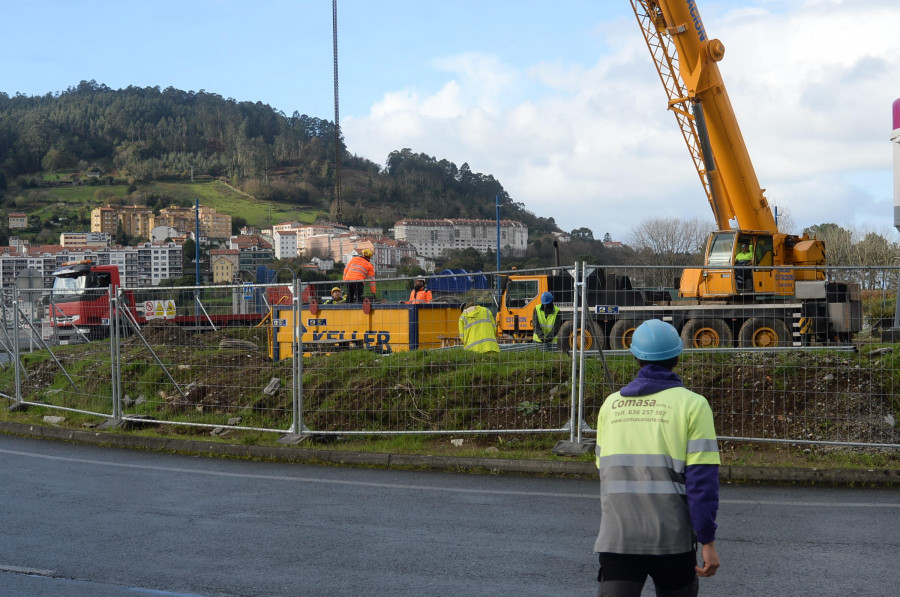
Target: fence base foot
x: 111, y: 424
x: 292, y: 439
x: 18, y: 407
x: 567, y: 448
x: 891, y: 335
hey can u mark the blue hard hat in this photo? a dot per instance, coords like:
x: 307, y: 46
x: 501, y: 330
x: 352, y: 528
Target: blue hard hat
x: 546, y: 298
x: 656, y: 340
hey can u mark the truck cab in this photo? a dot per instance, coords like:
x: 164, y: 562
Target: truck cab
x: 80, y: 298
x: 522, y: 292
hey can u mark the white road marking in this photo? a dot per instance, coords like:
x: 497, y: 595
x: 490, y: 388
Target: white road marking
x: 30, y: 571
x: 583, y: 496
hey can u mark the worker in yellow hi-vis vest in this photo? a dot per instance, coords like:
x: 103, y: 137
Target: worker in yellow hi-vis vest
x: 546, y: 322
x: 477, y: 329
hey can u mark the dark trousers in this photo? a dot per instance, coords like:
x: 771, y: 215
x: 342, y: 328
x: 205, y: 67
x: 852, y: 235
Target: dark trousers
x: 354, y: 292
x: 624, y: 575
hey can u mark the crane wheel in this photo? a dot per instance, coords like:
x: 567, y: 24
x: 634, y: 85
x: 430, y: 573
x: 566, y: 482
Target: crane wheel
x: 621, y: 332
x: 761, y: 332
x: 570, y: 335
x: 707, y: 333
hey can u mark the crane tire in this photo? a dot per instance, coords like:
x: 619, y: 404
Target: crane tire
x: 704, y: 332
x: 569, y: 336
x: 764, y: 332
x: 621, y: 332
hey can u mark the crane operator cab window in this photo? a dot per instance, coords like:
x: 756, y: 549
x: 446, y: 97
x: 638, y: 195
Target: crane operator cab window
x: 743, y: 256
x: 750, y: 252
x: 721, y: 249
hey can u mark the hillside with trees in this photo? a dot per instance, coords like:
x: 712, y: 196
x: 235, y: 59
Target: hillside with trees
x: 144, y: 134
x: 144, y: 145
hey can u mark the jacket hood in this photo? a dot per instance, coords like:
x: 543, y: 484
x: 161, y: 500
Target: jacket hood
x: 650, y: 380
x: 472, y: 313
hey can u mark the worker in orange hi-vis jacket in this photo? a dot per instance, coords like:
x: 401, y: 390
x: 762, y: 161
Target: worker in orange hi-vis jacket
x: 419, y: 293
x: 356, y: 272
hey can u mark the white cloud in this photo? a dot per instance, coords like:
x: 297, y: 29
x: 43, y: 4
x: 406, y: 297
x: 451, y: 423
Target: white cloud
x: 594, y: 146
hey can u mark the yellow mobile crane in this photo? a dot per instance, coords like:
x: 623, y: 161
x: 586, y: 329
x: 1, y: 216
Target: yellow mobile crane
x: 758, y: 287
x: 687, y: 62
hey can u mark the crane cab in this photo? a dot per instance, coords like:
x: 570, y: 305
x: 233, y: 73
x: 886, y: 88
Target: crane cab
x: 738, y: 262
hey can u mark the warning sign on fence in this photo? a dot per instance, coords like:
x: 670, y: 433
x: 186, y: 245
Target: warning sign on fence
x: 164, y: 309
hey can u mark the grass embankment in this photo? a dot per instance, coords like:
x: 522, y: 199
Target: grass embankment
x: 821, y: 396
x: 71, y: 203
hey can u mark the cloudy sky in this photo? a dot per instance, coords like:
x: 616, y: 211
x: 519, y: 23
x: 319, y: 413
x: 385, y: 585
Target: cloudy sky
x: 557, y: 100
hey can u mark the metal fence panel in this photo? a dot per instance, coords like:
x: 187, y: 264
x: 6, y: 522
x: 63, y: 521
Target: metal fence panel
x: 806, y: 367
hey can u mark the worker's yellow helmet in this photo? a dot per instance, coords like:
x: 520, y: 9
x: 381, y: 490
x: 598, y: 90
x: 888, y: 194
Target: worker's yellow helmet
x: 367, y: 252
x: 335, y: 289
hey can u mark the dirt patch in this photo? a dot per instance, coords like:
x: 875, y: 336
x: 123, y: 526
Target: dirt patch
x: 820, y: 398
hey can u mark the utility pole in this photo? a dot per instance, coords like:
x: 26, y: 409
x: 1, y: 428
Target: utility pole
x: 338, y: 199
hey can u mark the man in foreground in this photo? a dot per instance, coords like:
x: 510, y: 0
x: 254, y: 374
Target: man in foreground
x: 659, y: 476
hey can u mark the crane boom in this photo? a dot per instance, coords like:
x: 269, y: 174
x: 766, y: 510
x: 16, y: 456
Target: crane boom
x: 686, y: 60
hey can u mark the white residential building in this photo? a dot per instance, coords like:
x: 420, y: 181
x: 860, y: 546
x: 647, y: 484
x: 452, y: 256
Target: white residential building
x: 285, y: 244
x: 432, y: 238
x: 144, y: 265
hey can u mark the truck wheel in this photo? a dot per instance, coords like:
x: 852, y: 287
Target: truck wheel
x: 569, y: 336
x: 706, y: 333
x: 621, y: 332
x: 760, y: 332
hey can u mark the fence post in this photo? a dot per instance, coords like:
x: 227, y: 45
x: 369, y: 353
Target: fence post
x: 113, y: 355
x: 15, y: 343
x: 574, y: 397
x: 297, y: 347
x: 580, y: 416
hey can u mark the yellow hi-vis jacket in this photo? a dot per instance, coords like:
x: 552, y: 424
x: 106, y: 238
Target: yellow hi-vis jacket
x: 546, y: 322
x: 478, y: 330
x: 644, y: 444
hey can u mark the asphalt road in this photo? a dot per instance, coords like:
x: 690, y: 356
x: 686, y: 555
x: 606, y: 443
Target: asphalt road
x: 86, y: 521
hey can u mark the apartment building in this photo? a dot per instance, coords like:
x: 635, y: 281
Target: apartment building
x: 81, y: 240
x: 253, y: 251
x: 285, y: 244
x: 212, y: 223
x: 18, y: 220
x: 388, y: 254
x: 105, y: 220
x: 224, y: 264
x: 132, y: 220
x: 146, y: 264
x: 433, y: 238
x: 305, y: 232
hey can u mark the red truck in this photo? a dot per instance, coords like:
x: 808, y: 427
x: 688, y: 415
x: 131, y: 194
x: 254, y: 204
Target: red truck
x: 79, y: 305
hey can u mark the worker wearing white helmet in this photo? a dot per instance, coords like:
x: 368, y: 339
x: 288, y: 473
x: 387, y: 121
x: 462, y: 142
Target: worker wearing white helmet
x: 659, y: 476
x: 419, y: 293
